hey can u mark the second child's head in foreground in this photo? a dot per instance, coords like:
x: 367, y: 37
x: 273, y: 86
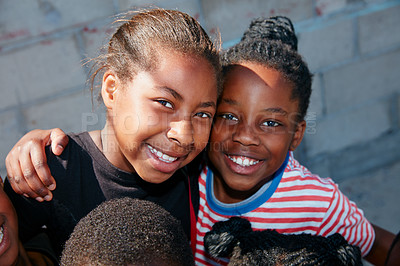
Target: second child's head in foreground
x: 160, y: 88
x: 128, y: 231
x: 260, y: 115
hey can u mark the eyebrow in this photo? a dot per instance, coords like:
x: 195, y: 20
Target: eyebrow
x: 179, y: 97
x: 229, y: 101
x: 276, y: 110
x: 174, y: 93
x: 208, y: 104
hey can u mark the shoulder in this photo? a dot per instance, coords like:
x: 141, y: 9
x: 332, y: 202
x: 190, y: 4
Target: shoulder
x: 296, y: 170
x: 298, y: 178
x: 74, y: 141
x: 74, y: 154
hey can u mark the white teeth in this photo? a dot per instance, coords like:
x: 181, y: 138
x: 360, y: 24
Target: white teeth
x: 1, y: 234
x: 243, y: 161
x: 162, y: 156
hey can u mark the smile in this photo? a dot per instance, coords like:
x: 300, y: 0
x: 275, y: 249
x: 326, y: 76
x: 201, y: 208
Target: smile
x: 162, y: 156
x: 243, y: 161
x: 1, y: 233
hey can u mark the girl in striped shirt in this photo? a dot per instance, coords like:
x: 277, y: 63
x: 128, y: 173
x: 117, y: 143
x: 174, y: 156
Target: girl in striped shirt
x: 259, y: 123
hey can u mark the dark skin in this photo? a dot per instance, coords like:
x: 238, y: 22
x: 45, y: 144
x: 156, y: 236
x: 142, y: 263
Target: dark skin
x: 381, y: 246
x: 36, y: 181
x: 11, y: 250
x: 29, y: 174
x: 258, y: 135
x: 40, y: 179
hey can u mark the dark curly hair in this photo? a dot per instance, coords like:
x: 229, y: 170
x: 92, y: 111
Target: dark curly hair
x: 128, y: 231
x: 278, y: 28
x: 277, y: 53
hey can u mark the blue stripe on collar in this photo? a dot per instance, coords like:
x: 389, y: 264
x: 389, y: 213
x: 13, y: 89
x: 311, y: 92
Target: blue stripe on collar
x: 243, y: 207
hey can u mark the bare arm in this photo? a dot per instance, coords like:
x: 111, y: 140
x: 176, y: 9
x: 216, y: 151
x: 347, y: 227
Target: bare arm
x: 381, y: 246
x: 26, y: 163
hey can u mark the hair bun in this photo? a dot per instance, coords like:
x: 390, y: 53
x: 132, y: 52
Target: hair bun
x: 279, y: 28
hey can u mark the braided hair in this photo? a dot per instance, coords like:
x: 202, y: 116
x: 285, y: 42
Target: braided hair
x: 235, y: 238
x: 273, y: 43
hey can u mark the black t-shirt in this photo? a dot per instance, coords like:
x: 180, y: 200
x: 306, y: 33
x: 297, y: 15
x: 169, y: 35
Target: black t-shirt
x: 85, y: 178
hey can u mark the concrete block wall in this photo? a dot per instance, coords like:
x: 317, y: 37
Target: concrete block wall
x: 351, y: 46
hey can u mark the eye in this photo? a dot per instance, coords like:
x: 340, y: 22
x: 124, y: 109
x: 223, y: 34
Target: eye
x: 270, y: 124
x: 203, y: 115
x: 229, y: 117
x: 165, y: 103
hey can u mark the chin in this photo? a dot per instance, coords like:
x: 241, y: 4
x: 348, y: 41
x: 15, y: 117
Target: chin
x: 239, y: 187
x: 10, y: 257
x: 242, y: 186
x: 158, y: 178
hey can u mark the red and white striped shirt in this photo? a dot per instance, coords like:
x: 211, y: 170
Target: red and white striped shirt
x: 294, y: 201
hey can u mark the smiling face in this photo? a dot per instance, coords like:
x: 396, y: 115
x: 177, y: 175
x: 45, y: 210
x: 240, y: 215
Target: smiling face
x: 255, y: 127
x: 8, y: 230
x: 160, y: 120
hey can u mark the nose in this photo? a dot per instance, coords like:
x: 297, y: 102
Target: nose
x: 245, y: 135
x: 181, y: 132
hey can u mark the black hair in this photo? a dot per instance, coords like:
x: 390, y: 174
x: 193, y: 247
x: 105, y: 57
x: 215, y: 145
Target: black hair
x: 234, y: 238
x: 128, y: 231
x: 278, y: 28
x: 137, y: 43
x: 278, y: 53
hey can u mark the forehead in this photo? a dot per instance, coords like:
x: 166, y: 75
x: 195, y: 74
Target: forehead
x: 191, y: 76
x: 252, y: 78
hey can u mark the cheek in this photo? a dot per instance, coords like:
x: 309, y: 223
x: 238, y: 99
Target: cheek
x: 221, y: 133
x: 141, y: 121
x: 217, y: 144
x: 277, y: 145
x: 130, y: 115
x: 128, y: 123
x: 213, y: 156
x: 201, y: 135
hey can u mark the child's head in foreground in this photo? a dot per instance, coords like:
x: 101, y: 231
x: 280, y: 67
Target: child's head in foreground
x: 128, y: 231
x: 160, y: 85
x: 260, y: 115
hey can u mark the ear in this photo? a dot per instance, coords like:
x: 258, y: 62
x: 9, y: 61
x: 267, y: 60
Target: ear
x: 109, y: 87
x: 298, y: 135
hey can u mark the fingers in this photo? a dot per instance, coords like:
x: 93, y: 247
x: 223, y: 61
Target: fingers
x: 23, y: 175
x: 41, y: 168
x: 14, y: 174
x: 59, y: 141
x: 27, y: 167
x: 14, y: 178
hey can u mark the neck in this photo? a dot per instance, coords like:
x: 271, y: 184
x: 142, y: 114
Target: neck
x: 227, y: 195
x: 107, y: 143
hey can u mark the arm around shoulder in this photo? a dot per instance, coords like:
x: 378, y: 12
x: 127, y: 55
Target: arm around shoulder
x: 27, y: 169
